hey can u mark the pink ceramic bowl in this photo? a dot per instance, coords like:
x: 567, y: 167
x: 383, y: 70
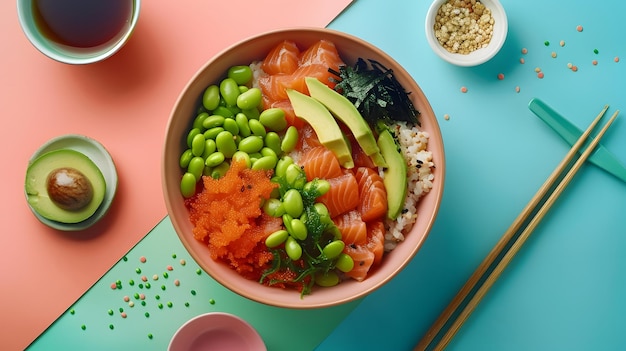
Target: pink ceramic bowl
x: 256, y: 48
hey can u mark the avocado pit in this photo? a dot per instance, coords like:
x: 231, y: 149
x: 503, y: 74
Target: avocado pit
x: 69, y: 188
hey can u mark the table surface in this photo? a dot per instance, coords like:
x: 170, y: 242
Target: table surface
x: 562, y: 291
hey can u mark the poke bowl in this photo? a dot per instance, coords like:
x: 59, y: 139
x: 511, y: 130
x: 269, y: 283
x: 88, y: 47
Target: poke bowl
x: 231, y: 199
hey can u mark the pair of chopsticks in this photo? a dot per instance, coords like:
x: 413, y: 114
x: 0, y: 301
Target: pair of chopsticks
x: 466, y: 300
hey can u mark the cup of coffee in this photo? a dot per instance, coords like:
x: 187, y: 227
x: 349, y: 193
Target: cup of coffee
x: 78, y: 31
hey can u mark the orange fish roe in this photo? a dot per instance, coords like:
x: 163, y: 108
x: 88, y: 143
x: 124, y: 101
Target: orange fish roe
x: 227, y: 216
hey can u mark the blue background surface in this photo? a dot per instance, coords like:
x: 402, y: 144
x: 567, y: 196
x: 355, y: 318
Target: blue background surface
x: 565, y: 289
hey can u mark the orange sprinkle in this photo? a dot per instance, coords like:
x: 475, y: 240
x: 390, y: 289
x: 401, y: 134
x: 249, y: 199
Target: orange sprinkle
x: 540, y: 75
x: 500, y: 76
x: 517, y: 89
x: 579, y: 28
x: 522, y: 61
x: 574, y: 68
x: 524, y: 51
x: 463, y: 90
x: 616, y: 59
x: 594, y: 62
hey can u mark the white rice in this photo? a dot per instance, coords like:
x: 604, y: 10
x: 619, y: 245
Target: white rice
x: 413, y: 144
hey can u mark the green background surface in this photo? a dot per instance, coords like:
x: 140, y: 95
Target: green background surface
x: 563, y: 291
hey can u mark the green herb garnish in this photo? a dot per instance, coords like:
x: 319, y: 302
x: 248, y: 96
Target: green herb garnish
x: 375, y: 92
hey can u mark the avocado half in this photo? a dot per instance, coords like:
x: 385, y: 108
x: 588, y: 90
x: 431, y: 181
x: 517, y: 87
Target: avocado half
x: 36, y: 185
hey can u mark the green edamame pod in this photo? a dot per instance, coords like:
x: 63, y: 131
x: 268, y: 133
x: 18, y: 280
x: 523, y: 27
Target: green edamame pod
x: 197, y: 145
x: 276, y: 238
x: 251, y: 144
x: 283, y: 163
x: 252, y: 113
x: 231, y: 125
x: 213, y: 121
x: 293, y: 248
x: 243, y: 89
x: 290, y: 139
x: 214, y: 159
x: 274, y: 208
x: 333, y: 249
x: 326, y: 279
x: 272, y: 141
x: 188, y: 185
x: 287, y: 221
x: 242, y: 123
x: 209, y: 148
x: 211, y: 97
x: 220, y: 170
x: 344, y: 262
x: 266, y: 151
x: 186, y: 156
x: 240, y: 74
x: 197, y: 123
x: 264, y: 163
x: 294, y: 176
x: 250, y: 99
x: 192, y: 133
x: 256, y: 127
x: 226, y: 144
x: 229, y: 89
x: 293, y: 203
x: 196, y: 167
x: 213, y: 132
x: 298, y: 229
x: 273, y: 119
x: 224, y: 112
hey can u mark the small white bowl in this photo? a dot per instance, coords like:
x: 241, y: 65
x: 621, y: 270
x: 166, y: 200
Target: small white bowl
x: 477, y: 57
x: 216, y: 331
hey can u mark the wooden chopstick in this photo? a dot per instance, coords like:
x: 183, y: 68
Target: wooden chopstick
x: 504, y: 242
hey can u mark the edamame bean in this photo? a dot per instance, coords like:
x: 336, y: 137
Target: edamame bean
x: 333, y: 249
x: 224, y: 112
x: 242, y: 156
x: 197, y: 123
x: 251, y: 144
x: 266, y: 151
x: 283, y: 163
x: 231, y: 125
x: 197, y: 145
x: 295, y: 176
x: 249, y: 99
x: 326, y: 279
x: 240, y: 74
x: 323, y: 213
x: 196, y: 167
x: 209, y: 148
x: 243, y: 89
x: 274, y: 208
x: 186, y: 156
x: 213, y: 121
x: 188, y: 185
x: 293, y: 248
x: 252, y: 113
x: 287, y: 221
x: 293, y: 203
x: 207, y: 171
x: 229, y: 89
x: 213, y: 132
x: 214, y: 159
x: 319, y: 186
x: 265, y: 163
x: 298, y: 229
x: 226, y: 144
x: 290, y: 139
x: 274, y: 119
x: 242, y: 123
x: 211, y: 97
x: 256, y: 127
x: 276, y: 238
x: 220, y: 170
x: 192, y: 133
x: 272, y: 140
x: 344, y: 262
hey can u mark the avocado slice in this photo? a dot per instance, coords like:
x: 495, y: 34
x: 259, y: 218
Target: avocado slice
x: 65, y: 186
x: 344, y: 110
x: 394, y: 175
x: 325, y: 126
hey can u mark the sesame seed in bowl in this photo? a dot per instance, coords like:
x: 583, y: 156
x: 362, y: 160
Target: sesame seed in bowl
x: 466, y: 32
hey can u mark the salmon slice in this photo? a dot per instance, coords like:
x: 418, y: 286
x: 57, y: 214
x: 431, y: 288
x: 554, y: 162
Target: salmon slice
x: 353, y: 229
x: 323, y: 52
x: 320, y: 162
x: 376, y: 240
x: 363, y: 261
x: 372, y: 194
x: 284, y: 58
x: 359, y: 156
x: 343, y: 195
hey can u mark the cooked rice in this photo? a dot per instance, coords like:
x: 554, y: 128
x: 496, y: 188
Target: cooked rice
x: 413, y: 144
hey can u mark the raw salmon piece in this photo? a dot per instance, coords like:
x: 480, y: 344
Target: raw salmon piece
x: 376, y: 240
x: 353, y: 229
x: 320, y: 162
x: 284, y: 58
x: 372, y: 194
x: 343, y: 195
x: 363, y: 261
x: 322, y: 52
x: 359, y: 156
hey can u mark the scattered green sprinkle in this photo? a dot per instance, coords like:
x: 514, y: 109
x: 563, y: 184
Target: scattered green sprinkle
x: 140, y: 285
x: 186, y: 304
x: 138, y: 270
x: 160, y: 305
x: 162, y: 287
x: 131, y: 282
x: 157, y: 297
x: 110, y: 312
x: 72, y: 311
x: 143, y: 302
x: 111, y: 326
x: 170, y: 304
x: 150, y: 336
x: 198, y: 271
x: 83, y: 327
x: 595, y: 51
x: 212, y: 301
x: 136, y: 295
x: 165, y: 275
x: 125, y: 258
x: 121, y: 310
x: 147, y: 314
x: 173, y: 255
x: 148, y: 285
x: 193, y: 292
x: 546, y: 43
x: 118, y: 284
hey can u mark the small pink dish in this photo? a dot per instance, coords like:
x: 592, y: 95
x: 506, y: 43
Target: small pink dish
x: 216, y: 331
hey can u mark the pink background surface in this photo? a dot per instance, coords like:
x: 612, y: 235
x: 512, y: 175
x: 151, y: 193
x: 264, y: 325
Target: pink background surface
x: 123, y: 102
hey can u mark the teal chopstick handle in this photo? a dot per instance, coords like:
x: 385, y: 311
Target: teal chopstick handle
x: 602, y: 157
